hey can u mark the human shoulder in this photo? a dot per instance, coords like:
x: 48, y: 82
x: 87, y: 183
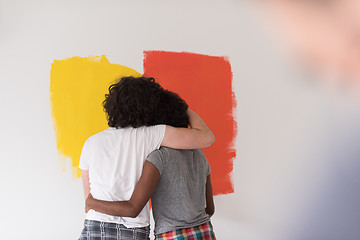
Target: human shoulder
x: 152, y: 129
x: 162, y: 152
x: 199, y: 153
x: 169, y: 152
x: 95, y: 138
x: 159, y: 158
x: 90, y: 146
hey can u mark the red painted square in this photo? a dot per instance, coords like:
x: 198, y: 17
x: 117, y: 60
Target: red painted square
x: 205, y: 83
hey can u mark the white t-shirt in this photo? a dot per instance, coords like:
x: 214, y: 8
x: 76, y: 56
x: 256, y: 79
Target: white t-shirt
x: 115, y: 159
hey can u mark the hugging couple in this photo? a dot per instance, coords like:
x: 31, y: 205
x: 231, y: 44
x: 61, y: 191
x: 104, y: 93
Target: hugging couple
x: 150, y: 150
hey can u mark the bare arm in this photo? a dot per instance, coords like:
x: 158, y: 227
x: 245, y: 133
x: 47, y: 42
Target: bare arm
x: 141, y: 195
x: 210, y: 207
x: 198, y: 136
x: 85, y: 181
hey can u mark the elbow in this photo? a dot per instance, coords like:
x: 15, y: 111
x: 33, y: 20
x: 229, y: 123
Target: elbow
x: 211, y: 139
x: 133, y: 212
x: 210, y: 211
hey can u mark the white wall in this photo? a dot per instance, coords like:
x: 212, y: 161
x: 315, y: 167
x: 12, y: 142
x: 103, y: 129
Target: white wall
x: 296, y: 174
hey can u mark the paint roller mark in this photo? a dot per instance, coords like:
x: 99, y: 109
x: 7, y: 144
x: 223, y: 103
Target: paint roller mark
x: 205, y: 82
x: 77, y: 88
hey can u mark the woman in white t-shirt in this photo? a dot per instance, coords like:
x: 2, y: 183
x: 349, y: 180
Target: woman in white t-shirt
x: 112, y: 160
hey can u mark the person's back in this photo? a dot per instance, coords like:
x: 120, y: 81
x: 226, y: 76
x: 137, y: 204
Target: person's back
x: 115, y: 158
x: 179, y: 200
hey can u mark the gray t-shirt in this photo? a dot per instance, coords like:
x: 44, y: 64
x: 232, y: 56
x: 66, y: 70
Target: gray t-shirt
x: 179, y: 200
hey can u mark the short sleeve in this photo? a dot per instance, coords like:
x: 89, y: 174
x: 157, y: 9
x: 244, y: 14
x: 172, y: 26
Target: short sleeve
x: 154, y: 136
x: 208, y: 170
x: 84, y: 157
x: 157, y: 158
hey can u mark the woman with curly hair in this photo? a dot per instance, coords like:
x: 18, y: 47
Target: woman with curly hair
x: 138, y: 110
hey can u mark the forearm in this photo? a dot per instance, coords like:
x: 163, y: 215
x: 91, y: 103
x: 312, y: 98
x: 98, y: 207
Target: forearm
x: 210, y: 211
x: 141, y: 195
x: 196, y: 123
x: 210, y: 207
x: 85, y: 181
x: 120, y: 208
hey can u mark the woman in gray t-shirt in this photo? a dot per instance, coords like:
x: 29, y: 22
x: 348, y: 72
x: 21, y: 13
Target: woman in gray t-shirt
x: 183, y: 196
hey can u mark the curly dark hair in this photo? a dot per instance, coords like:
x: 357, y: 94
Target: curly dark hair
x: 140, y: 101
x: 171, y: 110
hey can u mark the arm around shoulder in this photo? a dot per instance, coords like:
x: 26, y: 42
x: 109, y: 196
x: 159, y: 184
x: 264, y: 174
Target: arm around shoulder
x: 141, y: 195
x: 198, y: 136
